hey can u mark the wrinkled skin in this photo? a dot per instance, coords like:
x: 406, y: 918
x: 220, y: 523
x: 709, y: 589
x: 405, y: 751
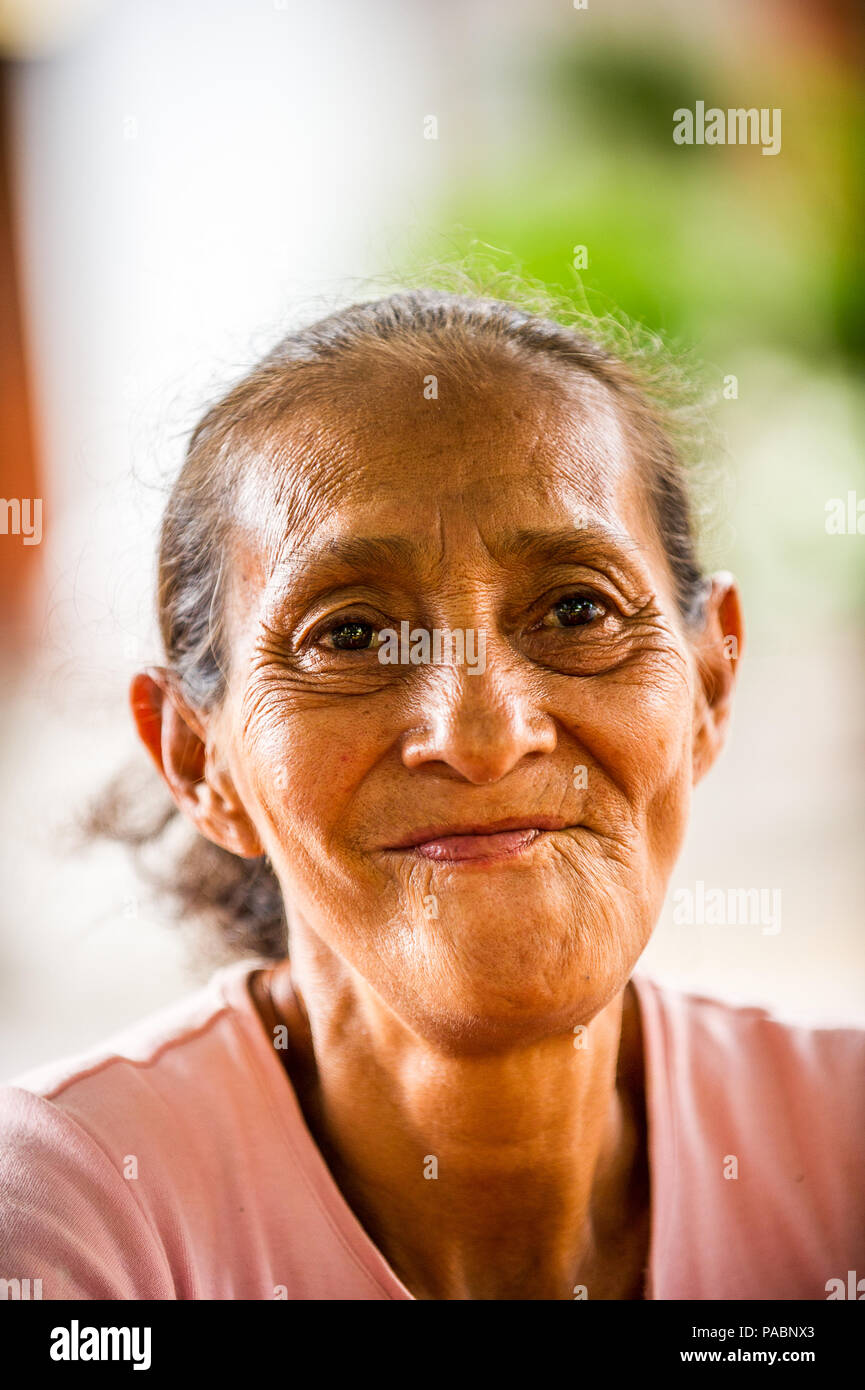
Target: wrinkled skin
x: 452, y: 1035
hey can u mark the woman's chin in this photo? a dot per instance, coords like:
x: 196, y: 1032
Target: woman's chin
x: 491, y: 1027
x: 507, y: 998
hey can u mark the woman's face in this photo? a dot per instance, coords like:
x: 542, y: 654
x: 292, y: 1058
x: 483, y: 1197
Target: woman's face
x: 518, y: 514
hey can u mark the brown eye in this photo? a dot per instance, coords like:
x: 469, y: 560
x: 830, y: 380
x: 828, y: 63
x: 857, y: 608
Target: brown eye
x: 576, y: 610
x: 352, y: 637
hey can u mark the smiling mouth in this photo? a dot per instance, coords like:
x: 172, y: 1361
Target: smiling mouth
x: 477, y: 844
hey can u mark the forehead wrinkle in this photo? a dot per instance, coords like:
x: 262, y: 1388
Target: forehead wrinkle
x: 592, y: 452
x: 567, y: 408
x: 319, y: 464
x: 282, y: 494
x: 308, y: 457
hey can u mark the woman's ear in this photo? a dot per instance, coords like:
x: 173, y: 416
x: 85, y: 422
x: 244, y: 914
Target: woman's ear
x: 176, y: 738
x: 718, y: 649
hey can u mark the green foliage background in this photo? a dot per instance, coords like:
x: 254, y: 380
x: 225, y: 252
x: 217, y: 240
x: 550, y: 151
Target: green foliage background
x: 754, y: 261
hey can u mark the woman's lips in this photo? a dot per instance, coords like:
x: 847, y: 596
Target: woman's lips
x: 487, y: 843
x: 453, y: 848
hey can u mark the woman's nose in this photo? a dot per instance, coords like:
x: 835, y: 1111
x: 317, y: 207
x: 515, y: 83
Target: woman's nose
x: 480, y: 724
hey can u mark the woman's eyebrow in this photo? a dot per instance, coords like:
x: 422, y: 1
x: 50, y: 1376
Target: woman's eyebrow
x: 329, y: 560
x: 370, y: 552
x: 340, y: 553
x: 566, y: 544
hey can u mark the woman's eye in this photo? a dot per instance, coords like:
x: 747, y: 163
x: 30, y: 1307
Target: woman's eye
x: 575, y: 610
x: 351, y: 637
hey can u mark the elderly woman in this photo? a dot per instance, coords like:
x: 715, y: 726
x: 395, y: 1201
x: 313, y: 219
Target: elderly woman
x: 440, y: 665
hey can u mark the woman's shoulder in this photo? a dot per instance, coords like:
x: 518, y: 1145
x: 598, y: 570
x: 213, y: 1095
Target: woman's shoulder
x: 744, y: 1070
x: 155, y: 1086
x: 113, y: 1139
x: 758, y: 1144
x: 693, y: 1020
x: 155, y: 1049
x: 721, y: 1038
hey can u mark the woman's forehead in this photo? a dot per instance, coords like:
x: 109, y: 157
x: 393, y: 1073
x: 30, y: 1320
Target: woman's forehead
x: 391, y: 492
x: 393, y: 460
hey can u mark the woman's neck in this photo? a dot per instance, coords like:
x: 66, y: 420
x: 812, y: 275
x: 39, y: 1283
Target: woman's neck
x: 517, y: 1175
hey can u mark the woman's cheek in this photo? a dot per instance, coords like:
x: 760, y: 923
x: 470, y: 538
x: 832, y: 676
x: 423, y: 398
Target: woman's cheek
x: 303, y: 773
x: 638, y: 730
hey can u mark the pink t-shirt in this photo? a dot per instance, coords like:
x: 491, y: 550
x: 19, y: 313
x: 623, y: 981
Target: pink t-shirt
x: 174, y: 1162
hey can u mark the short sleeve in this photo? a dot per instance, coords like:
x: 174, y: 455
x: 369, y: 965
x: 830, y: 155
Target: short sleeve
x: 68, y: 1217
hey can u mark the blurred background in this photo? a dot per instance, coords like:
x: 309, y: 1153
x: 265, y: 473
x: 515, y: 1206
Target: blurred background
x: 182, y: 181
